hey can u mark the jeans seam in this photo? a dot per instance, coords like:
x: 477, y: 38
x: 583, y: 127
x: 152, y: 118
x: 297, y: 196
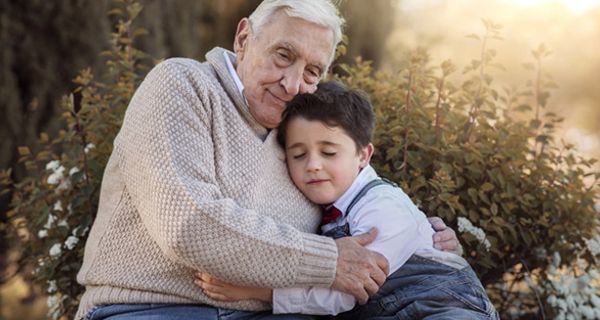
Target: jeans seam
x: 466, y: 301
x: 90, y: 314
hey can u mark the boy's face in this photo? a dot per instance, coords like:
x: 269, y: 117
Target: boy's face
x: 322, y: 161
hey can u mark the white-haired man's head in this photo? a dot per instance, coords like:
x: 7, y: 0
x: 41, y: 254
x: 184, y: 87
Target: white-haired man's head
x: 321, y: 12
x: 284, y: 48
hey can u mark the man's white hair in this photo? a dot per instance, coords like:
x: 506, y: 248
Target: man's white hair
x: 321, y: 12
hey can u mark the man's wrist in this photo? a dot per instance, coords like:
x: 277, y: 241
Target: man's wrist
x: 317, y: 265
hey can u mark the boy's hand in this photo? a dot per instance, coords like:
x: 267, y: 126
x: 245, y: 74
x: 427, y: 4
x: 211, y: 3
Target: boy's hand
x: 444, y: 238
x: 223, y: 291
x: 359, y: 271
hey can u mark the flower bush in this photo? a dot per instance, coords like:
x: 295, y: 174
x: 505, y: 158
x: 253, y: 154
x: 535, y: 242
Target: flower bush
x: 487, y: 160
x: 52, y: 209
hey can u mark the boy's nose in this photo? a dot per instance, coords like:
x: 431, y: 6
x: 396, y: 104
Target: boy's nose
x: 313, y: 164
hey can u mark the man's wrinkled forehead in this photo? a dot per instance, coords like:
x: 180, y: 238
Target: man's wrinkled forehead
x: 292, y: 41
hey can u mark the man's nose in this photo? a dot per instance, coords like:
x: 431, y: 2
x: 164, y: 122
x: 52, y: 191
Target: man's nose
x: 293, y: 81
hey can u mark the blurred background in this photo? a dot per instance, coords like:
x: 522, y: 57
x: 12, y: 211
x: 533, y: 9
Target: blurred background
x: 44, y: 44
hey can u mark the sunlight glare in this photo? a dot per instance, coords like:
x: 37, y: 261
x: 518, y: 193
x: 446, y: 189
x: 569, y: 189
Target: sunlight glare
x: 575, y: 6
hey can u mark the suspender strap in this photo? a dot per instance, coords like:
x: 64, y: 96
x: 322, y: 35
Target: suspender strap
x: 366, y: 188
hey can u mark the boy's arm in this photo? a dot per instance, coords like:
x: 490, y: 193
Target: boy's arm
x: 219, y: 290
x: 393, y: 216
x: 444, y: 237
x: 313, y: 300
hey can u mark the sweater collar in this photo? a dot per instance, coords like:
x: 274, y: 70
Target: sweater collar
x: 217, y: 59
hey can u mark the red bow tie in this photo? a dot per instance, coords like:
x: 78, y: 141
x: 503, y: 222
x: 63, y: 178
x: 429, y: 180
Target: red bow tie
x: 330, y: 215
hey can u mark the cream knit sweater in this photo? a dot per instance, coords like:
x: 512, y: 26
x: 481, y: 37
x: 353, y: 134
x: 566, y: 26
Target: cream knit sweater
x: 195, y: 184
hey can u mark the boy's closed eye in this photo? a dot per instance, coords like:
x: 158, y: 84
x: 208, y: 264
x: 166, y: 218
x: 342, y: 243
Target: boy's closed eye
x: 298, y: 155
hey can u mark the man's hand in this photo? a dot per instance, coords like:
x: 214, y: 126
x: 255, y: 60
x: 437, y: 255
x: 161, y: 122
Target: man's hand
x: 360, y: 272
x: 444, y: 238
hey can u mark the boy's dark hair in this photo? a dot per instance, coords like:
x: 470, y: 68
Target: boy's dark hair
x: 335, y: 105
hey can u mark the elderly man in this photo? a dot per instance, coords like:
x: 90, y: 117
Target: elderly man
x: 197, y: 182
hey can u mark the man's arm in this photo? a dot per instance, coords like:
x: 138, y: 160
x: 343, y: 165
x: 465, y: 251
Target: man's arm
x: 167, y: 162
x: 166, y: 159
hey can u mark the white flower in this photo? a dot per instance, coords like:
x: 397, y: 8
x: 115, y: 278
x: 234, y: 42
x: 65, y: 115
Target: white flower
x: 71, y: 242
x: 52, y: 301
x: 556, y: 259
x: 53, y: 165
x: 593, y: 245
x: 73, y: 171
x: 42, y: 233
x: 587, y: 312
x: 54, y: 306
x: 63, y: 223
x: 57, y: 206
x: 54, y: 179
x: 573, y: 294
x: 55, y: 250
x: 595, y: 301
x: 50, y: 222
x: 464, y: 225
x: 56, y: 176
x: 89, y: 147
x: 52, y: 286
x: 64, y: 185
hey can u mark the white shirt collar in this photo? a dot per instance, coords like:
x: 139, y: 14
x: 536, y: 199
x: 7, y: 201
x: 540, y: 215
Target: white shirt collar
x: 366, y: 175
x: 228, y: 61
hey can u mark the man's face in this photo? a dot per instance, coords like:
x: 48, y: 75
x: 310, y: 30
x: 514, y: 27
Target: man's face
x: 322, y: 161
x: 287, y: 57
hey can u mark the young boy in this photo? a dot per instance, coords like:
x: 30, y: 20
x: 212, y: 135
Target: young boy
x: 327, y: 141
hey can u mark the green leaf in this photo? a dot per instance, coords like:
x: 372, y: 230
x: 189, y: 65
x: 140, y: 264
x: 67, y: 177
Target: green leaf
x: 494, y: 209
x: 486, y: 187
x: 24, y: 151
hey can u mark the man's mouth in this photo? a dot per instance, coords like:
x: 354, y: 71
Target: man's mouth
x: 279, y: 100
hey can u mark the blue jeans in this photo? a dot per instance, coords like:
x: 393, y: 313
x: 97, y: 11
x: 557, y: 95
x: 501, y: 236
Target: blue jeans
x: 426, y: 289
x: 181, y: 312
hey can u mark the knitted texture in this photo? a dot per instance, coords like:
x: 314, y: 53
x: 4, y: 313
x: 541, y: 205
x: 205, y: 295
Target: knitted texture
x: 195, y: 184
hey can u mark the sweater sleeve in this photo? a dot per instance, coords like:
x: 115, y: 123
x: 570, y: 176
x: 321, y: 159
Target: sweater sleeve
x: 167, y: 161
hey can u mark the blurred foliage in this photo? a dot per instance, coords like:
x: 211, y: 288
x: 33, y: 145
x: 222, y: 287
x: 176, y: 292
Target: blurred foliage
x: 53, y: 207
x: 456, y: 149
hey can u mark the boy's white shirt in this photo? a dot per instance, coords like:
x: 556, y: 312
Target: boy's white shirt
x: 403, y: 230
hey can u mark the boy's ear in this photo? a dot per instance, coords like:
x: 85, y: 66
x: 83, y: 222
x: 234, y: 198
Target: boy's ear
x: 365, y: 155
x: 240, y: 41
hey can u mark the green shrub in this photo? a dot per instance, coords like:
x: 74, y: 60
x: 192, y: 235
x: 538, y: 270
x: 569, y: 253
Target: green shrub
x: 462, y: 152
x: 52, y: 209
x: 488, y: 163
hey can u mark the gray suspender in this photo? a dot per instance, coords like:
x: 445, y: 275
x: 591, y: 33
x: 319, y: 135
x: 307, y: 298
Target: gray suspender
x: 366, y: 188
x: 344, y: 231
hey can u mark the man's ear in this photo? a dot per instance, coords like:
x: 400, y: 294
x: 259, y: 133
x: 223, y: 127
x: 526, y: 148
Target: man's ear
x: 365, y: 155
x: 242, y: 34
